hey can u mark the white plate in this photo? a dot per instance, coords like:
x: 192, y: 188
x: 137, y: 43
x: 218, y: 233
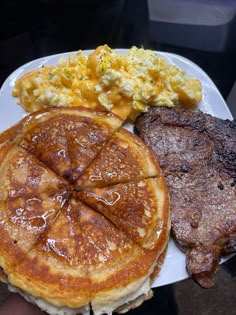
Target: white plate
x: 174, y: 267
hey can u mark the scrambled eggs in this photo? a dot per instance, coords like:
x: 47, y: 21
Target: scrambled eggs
x: 124, y: 84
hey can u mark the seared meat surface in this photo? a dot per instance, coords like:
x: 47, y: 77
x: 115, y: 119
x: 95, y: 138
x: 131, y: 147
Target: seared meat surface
x: 197, y: 154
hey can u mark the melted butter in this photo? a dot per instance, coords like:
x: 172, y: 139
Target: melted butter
x: 71, y: 226
x: 41, y: 115
x: 51, y: 245
x: 112, y: 174
x: 94, y: 177
x: 114, y: 197
x: 35, y: 138
x: 159, y: 230
x: 98, y: 176
x: 33, y: 223
x: 61, y: 200
x: 158, y: 233
x: 48, y: 214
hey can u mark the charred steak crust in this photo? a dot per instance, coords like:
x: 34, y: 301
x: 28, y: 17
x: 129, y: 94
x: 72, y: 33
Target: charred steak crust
x: 197, y: 154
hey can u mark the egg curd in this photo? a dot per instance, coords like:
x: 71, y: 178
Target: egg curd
x: 106, y: 80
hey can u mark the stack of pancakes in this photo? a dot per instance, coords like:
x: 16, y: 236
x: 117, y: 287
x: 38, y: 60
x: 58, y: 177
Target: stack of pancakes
x: 84, y: 212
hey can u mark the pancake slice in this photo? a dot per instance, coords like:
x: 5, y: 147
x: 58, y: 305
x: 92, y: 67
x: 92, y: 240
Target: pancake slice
x: 123, y: 159
x: 87, y: 132
x: 83, y: 258
x: 65, y: 139
x: 31, y: 197
x: 56, y: 268
x: 44, y: 136
x: 23, y: 174
x: 11, y: 133
x: 118, y: 268
x: 138, y: 208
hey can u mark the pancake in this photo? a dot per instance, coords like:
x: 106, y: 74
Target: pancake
x: 118, y: 266
x: 123, y: 159
x: 83, y: 258
x: 31, y: 197
x: 139, y: 208
x: 69, y: 243
x: 159, y: 264
x: 66, y: 139
x: 87, y: 135
x: 56, y: 267
x: 132, y: 304
x: 11, y: 133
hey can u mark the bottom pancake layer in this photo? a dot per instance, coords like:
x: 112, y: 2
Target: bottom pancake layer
x: 83, y: 258
x: 131, y: 301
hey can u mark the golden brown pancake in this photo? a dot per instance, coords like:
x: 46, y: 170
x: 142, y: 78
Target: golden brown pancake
x: 141, y: 298
x: 83, y: 257
x: 56, y: 268
x: 113, y: 258
x: 65, y: 249
x: 66, y: 139
x: 87, y: 133
x: 123, y: 159
x: 159, y: 264
x: 11, y: 133
x: 45, y: 137
x: 31, y: 197
x: 139, y: 208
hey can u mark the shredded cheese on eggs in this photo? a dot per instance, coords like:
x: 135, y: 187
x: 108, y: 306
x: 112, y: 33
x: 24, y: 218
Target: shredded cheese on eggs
x: 124, y: 84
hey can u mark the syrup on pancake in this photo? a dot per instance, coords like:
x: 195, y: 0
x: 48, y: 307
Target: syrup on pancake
x: 82, y: 257
x: 31, y: 197
x: 123, y: 159
x: 66, y: 139
x: 135, y: 208
x: 70, y: 249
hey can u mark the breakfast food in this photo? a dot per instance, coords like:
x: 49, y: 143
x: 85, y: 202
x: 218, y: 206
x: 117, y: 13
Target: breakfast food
x: 125, y: 84
x: 197, y: 154
x: 139, y: 218
x: 31, y: 197
x: 123, y: 159
x: 67, y: 140
x: 60, y: 250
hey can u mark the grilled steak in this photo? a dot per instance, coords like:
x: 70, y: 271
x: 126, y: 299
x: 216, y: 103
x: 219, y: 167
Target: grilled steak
x: 197, y: 154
